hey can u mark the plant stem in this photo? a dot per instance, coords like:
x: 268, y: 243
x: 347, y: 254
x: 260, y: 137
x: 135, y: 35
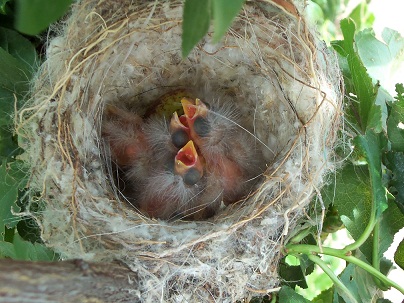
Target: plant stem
x: 301, y: 235
x: 375, y: 247
x: 366, y: 233
x: 337, y: 282
x: 364, y: 236
x: 340, y: 253
x: 375, y: 254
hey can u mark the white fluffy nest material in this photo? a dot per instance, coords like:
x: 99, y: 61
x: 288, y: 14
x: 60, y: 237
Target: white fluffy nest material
x: 270, y: 65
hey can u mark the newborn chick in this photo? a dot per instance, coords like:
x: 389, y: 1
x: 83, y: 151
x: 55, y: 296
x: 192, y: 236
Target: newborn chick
x: 123, y: 132
x: 185, y: 167
x: 188, y: 164
x: 231, y: 156
x: 171, y: 191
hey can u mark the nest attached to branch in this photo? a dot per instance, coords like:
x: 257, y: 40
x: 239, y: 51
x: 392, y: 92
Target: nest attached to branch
x: 270, y: 66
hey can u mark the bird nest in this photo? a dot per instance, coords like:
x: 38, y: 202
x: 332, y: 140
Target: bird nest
x: 269, y: 69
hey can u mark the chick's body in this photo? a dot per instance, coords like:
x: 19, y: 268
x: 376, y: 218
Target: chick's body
x: 185, y: 167
x: 231, y: 153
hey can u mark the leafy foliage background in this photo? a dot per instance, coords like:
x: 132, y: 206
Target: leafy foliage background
x: 366, y: 196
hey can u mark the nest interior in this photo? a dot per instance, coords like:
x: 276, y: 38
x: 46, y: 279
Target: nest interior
x: 270, y: 66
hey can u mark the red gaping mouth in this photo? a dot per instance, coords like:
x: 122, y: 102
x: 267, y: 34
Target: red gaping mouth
x: 189, y: 107
x: 188, y: 164
x: 187, y: 155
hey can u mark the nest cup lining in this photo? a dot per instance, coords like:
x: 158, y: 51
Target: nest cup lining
x: 269, y: 66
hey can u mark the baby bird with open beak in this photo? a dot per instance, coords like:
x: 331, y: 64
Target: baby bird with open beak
x: 185, y: 167
x: 231, y: 154
x: 175, y: 190
x: 162, y: 170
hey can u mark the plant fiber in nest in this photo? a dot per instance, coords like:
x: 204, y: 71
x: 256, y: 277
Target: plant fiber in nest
x: 286, y: 87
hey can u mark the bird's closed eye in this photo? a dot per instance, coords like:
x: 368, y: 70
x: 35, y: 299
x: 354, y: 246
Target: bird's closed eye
x: 202, y: 127
x: 179, y: 138
x: 192, y: 176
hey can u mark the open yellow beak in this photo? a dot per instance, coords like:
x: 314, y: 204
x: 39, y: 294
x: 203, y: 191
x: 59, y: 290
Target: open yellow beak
x: 192, y: 109
x: 189, y: 164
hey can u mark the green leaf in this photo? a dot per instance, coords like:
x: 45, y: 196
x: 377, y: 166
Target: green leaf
x: 391, y: 222
x: 17, y: 63
x: 7, y: 250
x: 292, y: 275
x: 382, y: 98
x: 34, y: 16
x: 196, y: 20
x: 395, y: 163
x: 399, y: 255
x: 12, y: 179
x: 8, y: 144
x: 18, y: 60
x: 13, y: 80
x: 351, y: 194
x: 395, y: 122
x: 376, y: 119
x: 325, y: 296
x: 370, y: 147
x: 318, y: 280
x: 368, y: 113
x: 381, y: 58
x: 25, y: 250
x: 3, y: 6
x: 331, y: 8
x: 18, y: 47
x: 372, y: 51
x: 385, y: 266
x: 29, y: 229
x: 224, y: 11
x: 288, y: 295
x: 14, y: 75
x: 315, y: 12
x: 361, y: 15
x: 197, y: 17
x: 306, y: 265
x: 360, y: 284
x: 394, y: 41
x: 339, y: 47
